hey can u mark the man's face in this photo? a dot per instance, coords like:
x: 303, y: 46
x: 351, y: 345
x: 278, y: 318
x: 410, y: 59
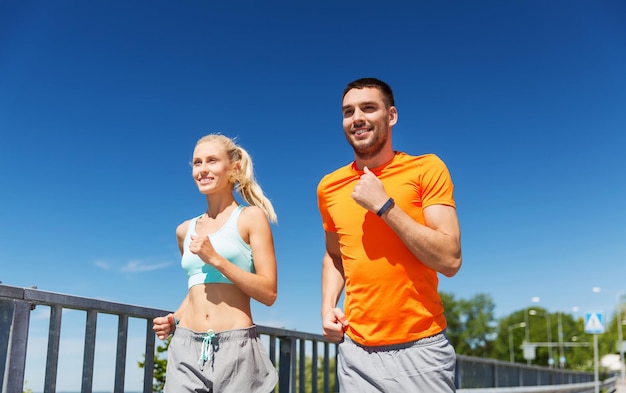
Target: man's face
x: 366, y: 121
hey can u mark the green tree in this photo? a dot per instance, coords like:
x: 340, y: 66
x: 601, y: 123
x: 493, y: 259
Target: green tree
x: 608, y: 342
x: 574, y: 345
x: 308, y: 375
x: 577, y: 345
x: 471, y: 323
x: 510, y: 332
x: 453, y: 316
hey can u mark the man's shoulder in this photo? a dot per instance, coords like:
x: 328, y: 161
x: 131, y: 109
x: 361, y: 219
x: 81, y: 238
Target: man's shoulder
x: 419, y: 157
x: 427, y: 159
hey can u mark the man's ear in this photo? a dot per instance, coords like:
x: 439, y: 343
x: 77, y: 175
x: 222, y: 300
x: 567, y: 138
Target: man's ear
x: 393, y: 115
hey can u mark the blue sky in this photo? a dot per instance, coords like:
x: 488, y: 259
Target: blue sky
x: 101, y: 104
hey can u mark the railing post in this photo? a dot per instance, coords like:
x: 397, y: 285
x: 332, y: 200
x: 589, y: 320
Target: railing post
x: 6, y: 318
x: 314, y: 360
x: 301, y: 375
x: 120, y: 357
x: 326, y: 368
x: 495, y: 375
x: 335, y: 373
x: 287, y: 365
x: 458, y: 374
x: 272, y: 349
x: 89, y: 351
x: 52, y: 359
x: 148, y: 367
x: 17, y: 347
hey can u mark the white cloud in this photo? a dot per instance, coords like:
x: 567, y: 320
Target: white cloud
x: 136, y: 266
x: 132, y: 266
x: 102, y: 265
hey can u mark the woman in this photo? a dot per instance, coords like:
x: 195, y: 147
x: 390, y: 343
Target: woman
x: 228, y: 254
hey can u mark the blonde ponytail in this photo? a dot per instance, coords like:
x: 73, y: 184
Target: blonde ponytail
x: 243, y: 179
x: 250, y: 190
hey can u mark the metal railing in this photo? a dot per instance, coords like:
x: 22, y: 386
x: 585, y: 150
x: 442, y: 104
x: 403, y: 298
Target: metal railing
x: 606, y: 386
x: 288, y: 350
x: 473, y: 372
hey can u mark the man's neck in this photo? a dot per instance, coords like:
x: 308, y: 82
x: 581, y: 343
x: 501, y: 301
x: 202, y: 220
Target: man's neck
x: 380, y: 159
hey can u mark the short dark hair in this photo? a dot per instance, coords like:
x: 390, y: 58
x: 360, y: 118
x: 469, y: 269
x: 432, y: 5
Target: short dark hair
x: 374, y: 83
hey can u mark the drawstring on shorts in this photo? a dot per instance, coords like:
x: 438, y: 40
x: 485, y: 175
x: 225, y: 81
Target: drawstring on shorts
x: 206, y: 342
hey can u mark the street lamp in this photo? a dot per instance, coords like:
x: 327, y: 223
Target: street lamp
x: 562, y: 359
x: 527, y: 334
x: 517, y: 325
x: 549, y: 330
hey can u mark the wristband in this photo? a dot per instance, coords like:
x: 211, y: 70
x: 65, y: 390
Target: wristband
x: 385, y: 207
x: 176, y: 321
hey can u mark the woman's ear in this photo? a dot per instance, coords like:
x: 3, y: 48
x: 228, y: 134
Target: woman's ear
x: 233, y: 173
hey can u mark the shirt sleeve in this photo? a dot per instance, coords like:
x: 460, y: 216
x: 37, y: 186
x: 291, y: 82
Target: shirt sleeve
x: 436, y: 183
x: 327, y: 221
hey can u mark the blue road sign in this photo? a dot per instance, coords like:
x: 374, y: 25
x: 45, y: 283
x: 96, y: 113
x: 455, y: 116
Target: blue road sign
x: 593, y: 323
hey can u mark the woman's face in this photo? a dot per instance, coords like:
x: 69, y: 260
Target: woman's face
x: 210, y: 167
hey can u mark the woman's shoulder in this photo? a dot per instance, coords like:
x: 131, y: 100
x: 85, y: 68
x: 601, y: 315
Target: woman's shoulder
x: 253, y: 218
x: 181, y: 229
x: 252, y: 213
x: 181, y: 233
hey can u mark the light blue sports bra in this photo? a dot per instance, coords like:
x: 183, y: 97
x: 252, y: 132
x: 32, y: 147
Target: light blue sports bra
x: 227, y: 242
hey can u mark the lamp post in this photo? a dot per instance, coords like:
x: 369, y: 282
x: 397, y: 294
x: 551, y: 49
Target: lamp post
x: 620, y: 337
x: 596, y: 372
x: 517, y: 325
x: 527, y: 334
x: 549, y: 330
x: 561, y: 351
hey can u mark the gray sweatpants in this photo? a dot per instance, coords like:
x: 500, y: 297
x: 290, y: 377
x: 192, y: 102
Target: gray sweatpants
x: 425, y: 365
x: 229, y: 361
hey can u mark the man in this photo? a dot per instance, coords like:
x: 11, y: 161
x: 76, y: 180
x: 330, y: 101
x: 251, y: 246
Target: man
x: 390, y: 227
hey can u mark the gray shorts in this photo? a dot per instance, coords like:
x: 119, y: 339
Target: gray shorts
x: 228, y: 361
x: 425, y: 365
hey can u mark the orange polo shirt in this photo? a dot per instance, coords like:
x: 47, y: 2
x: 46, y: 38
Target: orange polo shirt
x: 390, y: 296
